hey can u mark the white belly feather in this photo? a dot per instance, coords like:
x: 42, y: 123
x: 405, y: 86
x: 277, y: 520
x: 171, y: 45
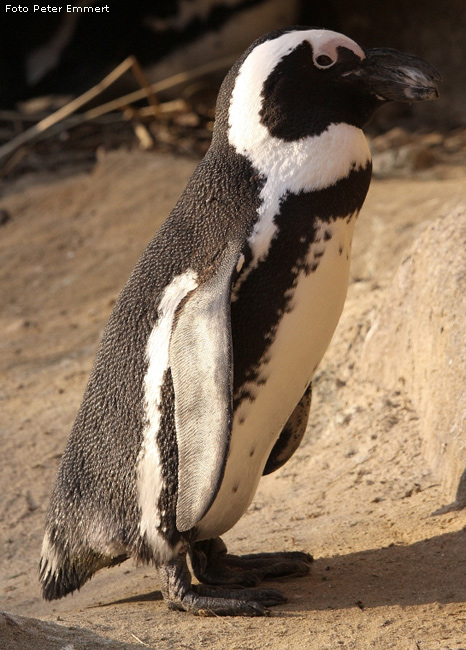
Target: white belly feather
x: 302, y: 337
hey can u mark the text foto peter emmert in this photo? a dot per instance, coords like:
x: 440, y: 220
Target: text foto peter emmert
x: 68, y: 9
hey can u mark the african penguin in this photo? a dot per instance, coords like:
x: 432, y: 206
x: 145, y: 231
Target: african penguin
x: 202, y: 382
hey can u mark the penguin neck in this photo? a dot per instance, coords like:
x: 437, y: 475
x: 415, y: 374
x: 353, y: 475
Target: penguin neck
x: 307, y: 167
x: 314, y: 162
x: 309, y: 164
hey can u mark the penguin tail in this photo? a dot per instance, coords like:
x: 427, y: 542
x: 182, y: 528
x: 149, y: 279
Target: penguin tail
x: 57, y: 582
x: 61, y: 573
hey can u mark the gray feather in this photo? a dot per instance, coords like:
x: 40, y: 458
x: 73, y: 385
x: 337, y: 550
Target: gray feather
x: 201, y: 364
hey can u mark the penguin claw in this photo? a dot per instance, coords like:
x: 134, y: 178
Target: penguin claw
x: 202, y: 600
x: 233, y: 608
x: 277, y: 565
x: 263, y: 597
x: 213, y: 565
x: 227, y: 603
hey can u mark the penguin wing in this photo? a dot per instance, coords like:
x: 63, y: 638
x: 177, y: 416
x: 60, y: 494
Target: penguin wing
x: 291, y: 435
x: 201, y: 361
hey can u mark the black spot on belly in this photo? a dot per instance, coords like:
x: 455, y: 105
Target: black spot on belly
x: 267, y: 292
x: 251, y: 453
x: 235, y: 488
x: 340, y: 249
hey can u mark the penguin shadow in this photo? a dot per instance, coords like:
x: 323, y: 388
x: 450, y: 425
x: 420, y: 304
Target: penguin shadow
x: 149, y: 597
x: 431, y: 570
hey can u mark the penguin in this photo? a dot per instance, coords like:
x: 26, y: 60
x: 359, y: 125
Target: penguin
x: 202, y: 381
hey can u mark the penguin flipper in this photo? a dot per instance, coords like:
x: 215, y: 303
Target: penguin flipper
x: 201, y: 361
x: 291, y: 435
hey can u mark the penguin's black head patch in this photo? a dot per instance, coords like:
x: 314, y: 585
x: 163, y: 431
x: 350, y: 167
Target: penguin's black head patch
x: 308, y: 90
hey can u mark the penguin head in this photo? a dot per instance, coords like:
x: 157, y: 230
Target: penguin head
x: 293, y: 84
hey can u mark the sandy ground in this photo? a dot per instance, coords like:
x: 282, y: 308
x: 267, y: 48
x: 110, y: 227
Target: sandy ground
x: 358, y: 494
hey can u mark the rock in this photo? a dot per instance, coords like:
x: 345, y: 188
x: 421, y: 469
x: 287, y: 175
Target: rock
x: 399, y: 152
x: 417, y: 344
x: 21, y: 633
x: 5, y: 217
x: 403, y: 161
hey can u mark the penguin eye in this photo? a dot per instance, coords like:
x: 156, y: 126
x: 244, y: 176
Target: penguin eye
x: 324, y: 61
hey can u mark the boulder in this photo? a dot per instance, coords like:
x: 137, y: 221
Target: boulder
x: 418, y: 344
x: 21, y: 633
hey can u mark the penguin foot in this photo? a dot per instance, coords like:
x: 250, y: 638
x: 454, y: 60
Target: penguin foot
x: 200, y: 600
x: 213, y: 565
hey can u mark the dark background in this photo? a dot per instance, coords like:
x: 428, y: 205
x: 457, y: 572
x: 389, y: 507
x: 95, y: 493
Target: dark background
x: 428, y: 28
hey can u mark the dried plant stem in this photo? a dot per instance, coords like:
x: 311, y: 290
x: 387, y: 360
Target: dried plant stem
x: 30, y: 134
x: 148, y: 91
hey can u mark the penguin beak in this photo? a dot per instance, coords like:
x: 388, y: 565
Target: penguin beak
x: 395, y: 76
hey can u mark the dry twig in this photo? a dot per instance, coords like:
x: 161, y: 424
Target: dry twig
x: 38, y: 129
x: 148, y: 91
